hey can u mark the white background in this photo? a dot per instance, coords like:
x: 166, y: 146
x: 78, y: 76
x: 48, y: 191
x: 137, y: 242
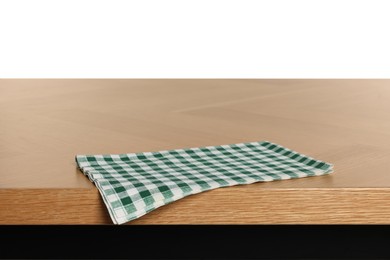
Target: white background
x: 195, y: 39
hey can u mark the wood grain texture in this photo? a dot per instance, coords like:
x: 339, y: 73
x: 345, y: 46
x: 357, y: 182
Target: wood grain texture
x: 45, y: 123
x: 52, y: 206
x: 264, y: 206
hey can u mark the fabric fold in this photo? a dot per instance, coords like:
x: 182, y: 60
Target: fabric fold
x: 134, y: 184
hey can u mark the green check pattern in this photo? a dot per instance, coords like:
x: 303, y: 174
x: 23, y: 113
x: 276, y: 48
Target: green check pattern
x: 134, y: 184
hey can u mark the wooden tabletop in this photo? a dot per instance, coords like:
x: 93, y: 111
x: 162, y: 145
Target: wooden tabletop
x: 44, y: 123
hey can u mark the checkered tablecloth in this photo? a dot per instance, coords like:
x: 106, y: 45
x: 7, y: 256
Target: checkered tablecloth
x: 134, y: 184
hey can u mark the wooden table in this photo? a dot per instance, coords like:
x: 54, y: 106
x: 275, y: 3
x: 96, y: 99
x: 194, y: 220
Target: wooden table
x: 44, y: 123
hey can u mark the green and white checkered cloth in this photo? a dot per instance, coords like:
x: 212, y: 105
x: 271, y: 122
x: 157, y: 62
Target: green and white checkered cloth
x: 134, y: 184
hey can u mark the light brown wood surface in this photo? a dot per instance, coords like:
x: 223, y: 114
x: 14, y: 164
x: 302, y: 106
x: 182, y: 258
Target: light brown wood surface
x: 44, y: 123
